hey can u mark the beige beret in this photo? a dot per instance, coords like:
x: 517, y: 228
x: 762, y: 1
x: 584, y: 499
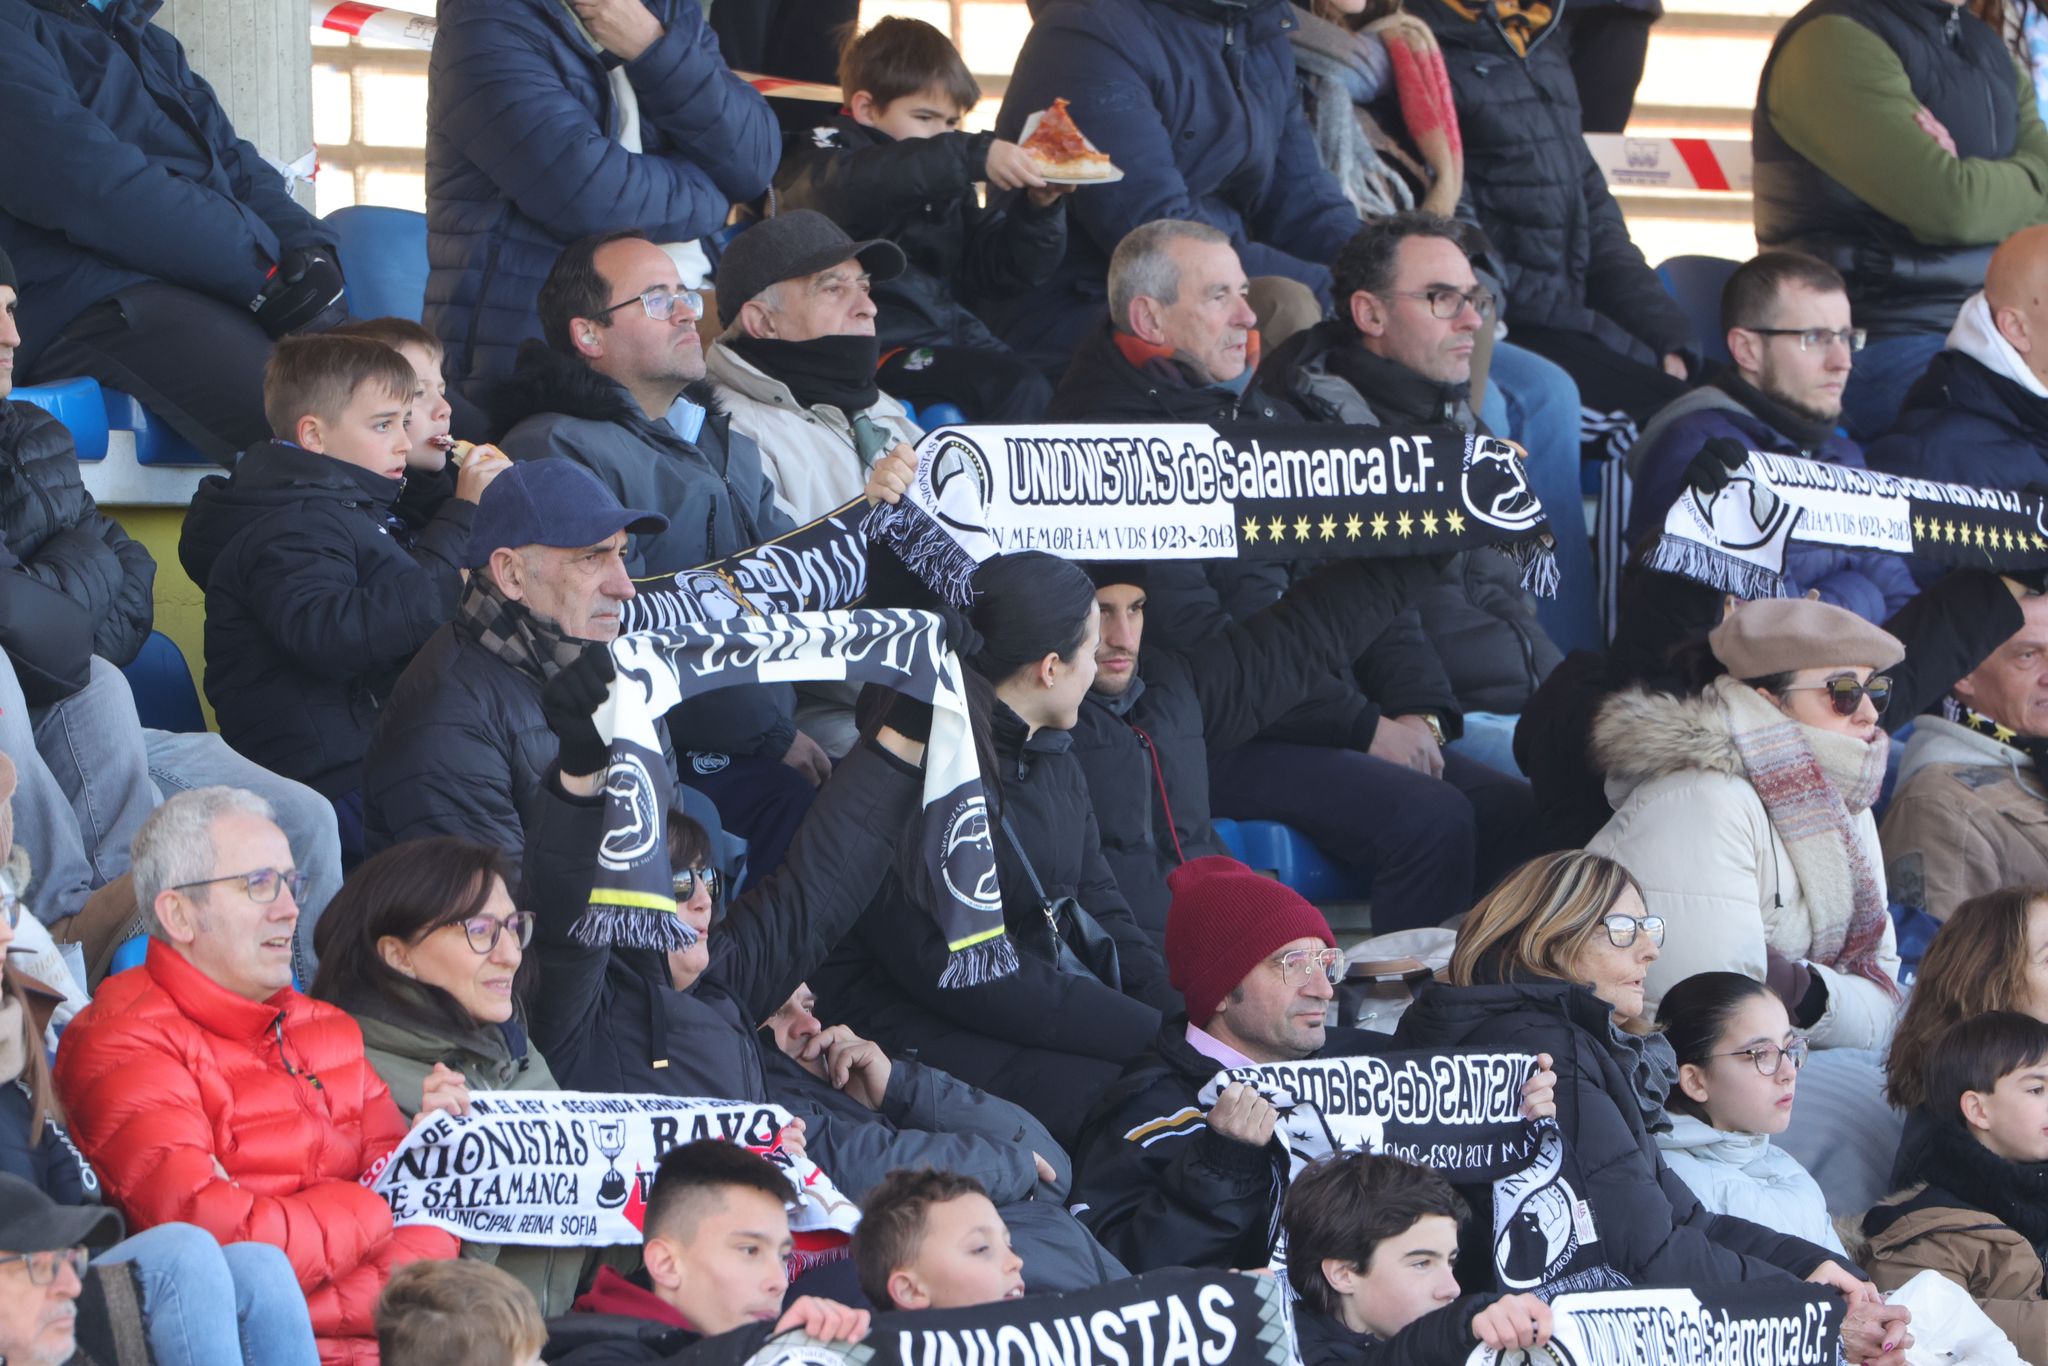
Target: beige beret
x: 1783, y: 635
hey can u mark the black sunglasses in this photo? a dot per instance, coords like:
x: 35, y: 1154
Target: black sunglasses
x: 1845, y: 694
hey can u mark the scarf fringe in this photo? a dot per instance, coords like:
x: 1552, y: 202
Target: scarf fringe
x: 979, y: 963
x: 916, y: 537
x: 1601, y: 1277
x: 626, y: 927
x: 1540, y: 574
x: 1714, y: 568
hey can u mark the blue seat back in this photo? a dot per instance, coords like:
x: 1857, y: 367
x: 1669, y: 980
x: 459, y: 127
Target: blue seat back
x: 165, y: 698
x: 941, y: 415
x: 130, y: 954
x: 155, y: 441
x: 1696, y: 282
x: 77, y: 404
x: 1269, y: 846
x: 384, y: 259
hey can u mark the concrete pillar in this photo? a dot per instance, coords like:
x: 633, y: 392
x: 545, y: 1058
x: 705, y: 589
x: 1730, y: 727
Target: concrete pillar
x: 258, y: 56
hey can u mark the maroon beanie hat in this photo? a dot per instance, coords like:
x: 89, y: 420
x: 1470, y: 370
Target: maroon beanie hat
x: 1225, y: 920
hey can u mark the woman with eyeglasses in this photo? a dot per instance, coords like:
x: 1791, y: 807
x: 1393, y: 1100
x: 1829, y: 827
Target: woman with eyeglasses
x: 1738, y: 1069
x: 426, y: 949
x: 1743, y: 810
x: 1555, y: 960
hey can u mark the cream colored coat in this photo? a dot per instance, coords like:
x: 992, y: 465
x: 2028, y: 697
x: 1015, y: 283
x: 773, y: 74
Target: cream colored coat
x: 1691, y: 829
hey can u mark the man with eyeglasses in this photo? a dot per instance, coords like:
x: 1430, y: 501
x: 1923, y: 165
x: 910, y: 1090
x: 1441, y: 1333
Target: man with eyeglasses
x: 1979, y: 415
x: 205, y: 1090
x: 44, y: 1250
x: 1161, y: 1182
x: 1789, y: 332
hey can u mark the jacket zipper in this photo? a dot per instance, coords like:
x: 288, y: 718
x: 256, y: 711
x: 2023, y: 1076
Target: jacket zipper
x: 1159, y: 776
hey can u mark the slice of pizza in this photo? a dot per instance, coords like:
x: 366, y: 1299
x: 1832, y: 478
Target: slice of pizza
x: 1060, y: 150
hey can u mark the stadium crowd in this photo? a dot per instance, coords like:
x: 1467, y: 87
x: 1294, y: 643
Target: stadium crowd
x: 1781, y: 969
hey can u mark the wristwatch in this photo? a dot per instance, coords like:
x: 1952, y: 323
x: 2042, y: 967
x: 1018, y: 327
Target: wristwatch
x: 1436, y: 727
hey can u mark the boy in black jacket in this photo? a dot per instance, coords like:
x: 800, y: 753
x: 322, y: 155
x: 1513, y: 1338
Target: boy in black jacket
x: 895, y: 164
x: 1371, y: 1246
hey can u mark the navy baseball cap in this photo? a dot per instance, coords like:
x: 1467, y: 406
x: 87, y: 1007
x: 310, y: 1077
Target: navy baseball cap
x: 554, y: 502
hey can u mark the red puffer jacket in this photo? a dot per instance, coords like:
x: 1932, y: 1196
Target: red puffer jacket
x: 169, y: 1079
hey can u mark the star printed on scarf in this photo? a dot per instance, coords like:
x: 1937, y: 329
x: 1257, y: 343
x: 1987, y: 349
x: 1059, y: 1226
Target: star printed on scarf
x: 1277, y: 529
x: 1251, y: 530
x: 2003, y: 733
x: 1352, y: 526
x: 1379, y: 526
x: 1403, y: 524
x: 1301, y: 528
x: 1455, y: 520
x: 1327, y: 528
x: 1919, y: 528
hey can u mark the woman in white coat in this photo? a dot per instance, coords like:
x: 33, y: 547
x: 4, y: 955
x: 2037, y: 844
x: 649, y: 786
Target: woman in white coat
x: 1738, y: 1069
x: 1743, y: 810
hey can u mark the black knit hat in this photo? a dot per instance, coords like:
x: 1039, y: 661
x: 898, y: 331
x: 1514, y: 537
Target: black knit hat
x: 1107, y: 573
x: 7, y: 271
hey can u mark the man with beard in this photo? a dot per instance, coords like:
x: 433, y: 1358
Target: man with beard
x: 1787, y: 318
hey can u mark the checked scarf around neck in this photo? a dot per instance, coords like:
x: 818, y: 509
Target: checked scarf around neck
x: 1813, y: 783
x: 514, y: 632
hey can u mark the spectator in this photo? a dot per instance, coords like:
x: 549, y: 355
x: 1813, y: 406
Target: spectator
x: 1991, y: 954
x: 462, y: 747
x: 1899, y: 145
x: 1787, y: 320
x: 1151, y: 717
x: 931, y: 1239
x: 890, y: 1113
x: 206, y: 1090
x: 895, y: 165
x: 426, y: 950
x: 1196, y: 103
x: 81, y: 604
x: 617, y: 388
x: 457, y: 1314
x: 1388, y: 359
x: 317, y: 592
x: 1182, y: 350
x: 1976, y: 1219
x: 717, y: 1249
x: 1164, y: 1184
x: 1555, y: 959
x: 546, y: 124
x: 1738, y: 1067
x: 1980, y: 413
x: 429, y: 470
x: 43, y: 1252
x: 1607, y: 42
x: 1372, y: 1248
x: 1968, y: 815
x: 1089, y: 987
x: 1754, y: 838
x: 175, y: 295
x: 1578, y: 290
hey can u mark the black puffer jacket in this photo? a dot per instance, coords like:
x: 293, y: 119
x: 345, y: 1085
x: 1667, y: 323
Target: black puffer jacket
x: 1028, y: 1036
x: 51, y: 524
x: 919, y: 193
x: 1442, y: 1337
x: 1652, y: 1229
x: 1146, y: 753
x: 1476, y: 614
x: 1158, y: 1187
x: 1963, y: 424
x: 1540, y: 198
x: 317, y: 594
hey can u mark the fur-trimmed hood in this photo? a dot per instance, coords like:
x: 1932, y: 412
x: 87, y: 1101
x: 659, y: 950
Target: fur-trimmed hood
x: 1639, y: 735
x: 543, y: 380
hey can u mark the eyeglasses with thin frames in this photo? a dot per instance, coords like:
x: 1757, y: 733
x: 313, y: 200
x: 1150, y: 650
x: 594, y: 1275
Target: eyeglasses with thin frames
x: 685, y: 884
x: 1446, y: 303
x: 484, y: 931
x: 1766, y: 1056
x: 262, y: 884
x: 1300, y: 965
x: 1846, y: 694
x: 42, y: 1266
x: 1622, y: 929
x: 1816, y: 338
x: 660, y: 303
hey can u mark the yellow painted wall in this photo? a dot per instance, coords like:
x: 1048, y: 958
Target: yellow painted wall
x: 180, y: 605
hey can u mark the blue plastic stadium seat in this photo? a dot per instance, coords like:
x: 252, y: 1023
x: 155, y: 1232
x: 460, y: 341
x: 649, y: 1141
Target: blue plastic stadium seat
x: 1696, y: 282
x: 77, y: 404
x: 384, y: 259
x: 130, y: 954
x: 1288, y: 854
x: 941, y: 415
x: 162, y: 683
x: 155, y: 441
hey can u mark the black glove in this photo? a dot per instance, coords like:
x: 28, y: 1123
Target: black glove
x: 567, y: 701
x: 301, y: 290
x: 1710, y: 469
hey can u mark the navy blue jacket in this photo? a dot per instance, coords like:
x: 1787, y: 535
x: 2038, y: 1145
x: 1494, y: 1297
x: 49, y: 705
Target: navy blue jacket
x: 1196, y: 102
x: 523, y: 158
x: 1964, y: 425
x: 118, y: 166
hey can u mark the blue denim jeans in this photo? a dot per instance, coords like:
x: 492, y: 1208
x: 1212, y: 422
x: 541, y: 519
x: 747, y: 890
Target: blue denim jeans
x: 1535, y: 402
x: 208, y: 1305
x: 1884, y: 371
